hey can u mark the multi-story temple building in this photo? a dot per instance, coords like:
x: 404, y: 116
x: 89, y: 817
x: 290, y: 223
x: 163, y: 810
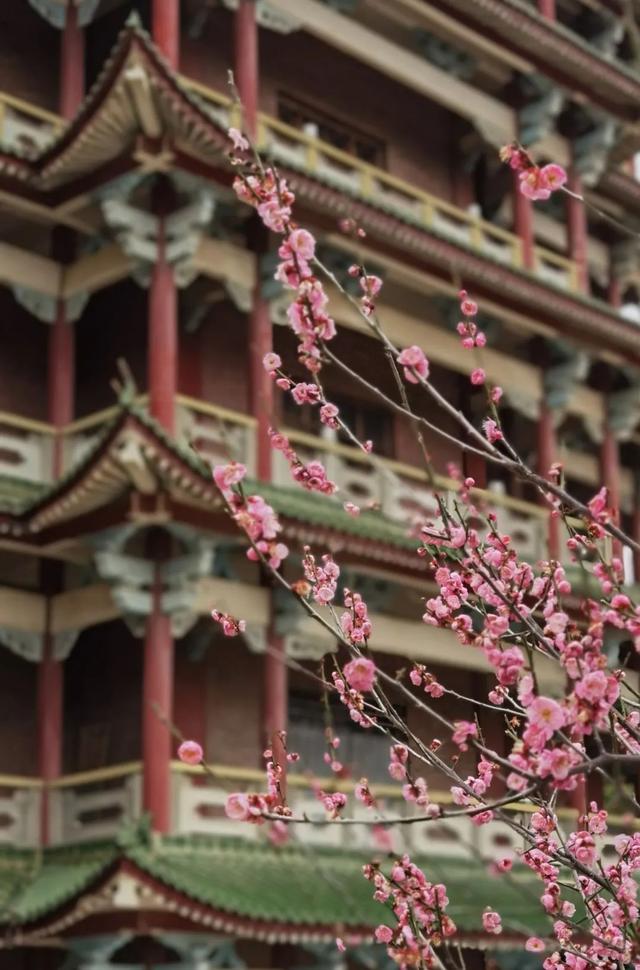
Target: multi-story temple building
x: 125, y: 256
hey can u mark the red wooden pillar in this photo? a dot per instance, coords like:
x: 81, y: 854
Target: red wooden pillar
x: 610, y: 468
x: 546, y: 457
x: 610, y: 476
x: 635, y: 532
x: 71, y: 64
x: 523, y: 223
x: 246, y: 62
x: 246, y: 68
x: 61, y: 381
x: 165, y: 29
x: 50, y: 726
x: 578, y: 231
x: 276, y: 704
x: 261, y: 385
x: 547, y: 8
x: 614, y: 289
x: 157, y: 708
x: 163, y: 338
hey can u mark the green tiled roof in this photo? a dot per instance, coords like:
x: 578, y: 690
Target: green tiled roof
x: 32, y: 883
x: 328, y: 513
x: 255, y: 881
x: 19, y: 498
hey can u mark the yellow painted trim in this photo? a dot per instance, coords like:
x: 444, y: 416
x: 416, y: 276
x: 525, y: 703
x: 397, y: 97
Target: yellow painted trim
x: 209, y: 94
x: 26, y: 424
x: 25, y: 107
x: 383, y: 790
x: 410, y: 471
x: 79, y: 778
x: 216, y: 410
x: 20, y: 781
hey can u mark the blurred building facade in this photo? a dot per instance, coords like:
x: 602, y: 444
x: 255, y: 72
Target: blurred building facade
x: 121, y: 240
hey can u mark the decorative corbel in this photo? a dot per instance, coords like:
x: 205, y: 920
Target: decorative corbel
x: 255, y: 638
x: 55, y: 11
x: 131, y: 579
x: 612, y: 32
x: 591, y: 149
x: 568, y: 369
x: 537, y: 118
x: 44, y: 307
x: 625, y: 259
x: 444, y: 55
x: 305, y: 646
x: 623, y: 410
x: 269, y: 17
x: 23, y: 643
x: 136, y: 231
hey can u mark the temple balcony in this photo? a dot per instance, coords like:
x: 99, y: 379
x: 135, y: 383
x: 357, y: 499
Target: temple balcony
x: 295, y: 149
x: 94, y: 806
x: 399, y: 491
x: 28, y: 128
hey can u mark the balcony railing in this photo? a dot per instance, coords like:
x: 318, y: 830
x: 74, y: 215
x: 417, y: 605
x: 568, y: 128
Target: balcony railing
x: 304, y: 152
x: 401, y: 492
x: 19, y: 810
x: 24, y: 127
x: 96, y: 804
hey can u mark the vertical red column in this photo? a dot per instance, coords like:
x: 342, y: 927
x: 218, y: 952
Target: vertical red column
x: 276, y: 702
x: 71, y: 64
x: 610, y: 468
x: 49, y: 731
x: 165, y: 29
x: 260, y: 329
x: 49, y: 708
x: 635, y: 532
x: 163, y: 337
x: 61, y: 338
x: 614, y: 289
x: 246, y: 62
x: 547, y: 8
x: 61, y: 381
x: 157, y: 704
x: 523, y: 223
x: 546, y: 457
x: 578, y: 231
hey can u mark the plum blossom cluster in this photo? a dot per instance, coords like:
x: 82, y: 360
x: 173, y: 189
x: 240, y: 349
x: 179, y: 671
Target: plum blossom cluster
x: 608, y: 913
x: 230, y: 626
x: 420, y: 677
x: 415, y: 365
x: 351, y: 697
x: 370, y: 286
x: 307, y: 314
x: 252, y: 514
x: 312, y: 476
x: 473, y: 794
x: 323, y: 579
x: 536, y: 182
x: 302, y: 392
x: 354, y: 622
x: 511, y: 611
x: 467, y: 327
x: 419, y: 908
x: 254, y: 807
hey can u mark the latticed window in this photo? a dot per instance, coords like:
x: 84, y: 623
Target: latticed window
x: 341, y: 135
x: 365, y: 752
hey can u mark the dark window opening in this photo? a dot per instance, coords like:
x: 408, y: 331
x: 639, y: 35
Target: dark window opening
x: 364, y: 752
x: 340, y: 134
x: 367, y: 423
